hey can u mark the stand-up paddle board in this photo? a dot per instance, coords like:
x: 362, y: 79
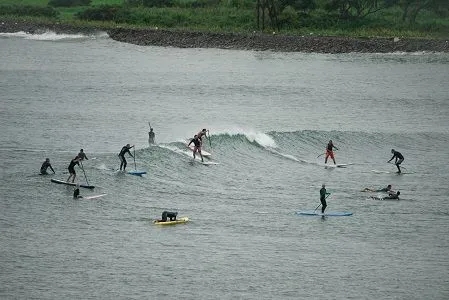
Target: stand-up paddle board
x: 72, y: 183
x: 205, y: 153
x: 137, y: 173
x: 330, y: 213
x: 94, y: 197
x: 208, y: 163
x: 177, y: 221
x: 336, y: 166
x: 388, y: 172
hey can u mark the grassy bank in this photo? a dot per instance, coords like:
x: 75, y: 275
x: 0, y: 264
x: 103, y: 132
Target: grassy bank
x: 387, y: 23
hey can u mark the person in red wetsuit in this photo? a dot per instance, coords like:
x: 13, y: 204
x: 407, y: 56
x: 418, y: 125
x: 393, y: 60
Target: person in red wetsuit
x: 329, y: 152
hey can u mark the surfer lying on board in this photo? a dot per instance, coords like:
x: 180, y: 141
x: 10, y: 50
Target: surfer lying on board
x: 385, y: 189
x: 391, y: 196
x: 168, y: 214
x: 76, y: 192
x: 197, y: 142
x: 82, y: 155
x: 323, y: 194
x: 73, y: 162
x: 121, y: 155
x: 398, y: 159
x: 330, y: 152
x: 45, y: 166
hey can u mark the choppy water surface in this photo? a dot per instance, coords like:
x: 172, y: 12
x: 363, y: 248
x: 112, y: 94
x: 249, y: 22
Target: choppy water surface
x: 270, y: 115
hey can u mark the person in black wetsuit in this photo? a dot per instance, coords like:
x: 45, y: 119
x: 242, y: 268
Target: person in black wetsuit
x: 121, y: 155
x: 168, y: 214
x: 197, y: 142
x: 398, y: 159
x: 76, y: 192
x: 329, y: 152
x: 323, y: 194
x: 73, y: 162
x: 151, y: 136
x: 391, y: 196
x: 82, y: 155
x: 45, y: 166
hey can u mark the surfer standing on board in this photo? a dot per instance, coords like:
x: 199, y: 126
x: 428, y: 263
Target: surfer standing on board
x: 73, y: 162
x: 45, y: 165
x: 329, y: 152
x: 323, y: 194
x: 121, y: 155
x: 398, y: 159
x: 197, y: 142
x: 151, y: 136
x: 201, y: 134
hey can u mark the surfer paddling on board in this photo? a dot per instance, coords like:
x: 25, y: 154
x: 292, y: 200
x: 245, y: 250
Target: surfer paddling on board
x: 329, y: 152
x: 168, y: 214
x: 121, y: 155
x: 197, y: 142
x: 45, y: 165
x: 385, y: 189
x: 73, y: 162
x: 398, y: 159
x: 391, y: 196
x: 323, y: 194
x: 82, y: 155
x: 151, y: 135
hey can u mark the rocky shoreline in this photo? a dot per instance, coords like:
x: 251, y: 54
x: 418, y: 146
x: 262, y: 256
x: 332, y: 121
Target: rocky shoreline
x: 238, y: 41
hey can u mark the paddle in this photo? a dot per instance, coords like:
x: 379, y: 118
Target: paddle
x: 325, y: 153
x: 210, y: 143
x: 134, y: 156
x: 82, y: 168
x: 320, y: 203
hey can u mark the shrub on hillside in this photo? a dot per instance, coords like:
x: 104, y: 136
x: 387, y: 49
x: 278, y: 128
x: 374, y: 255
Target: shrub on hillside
x: 99, y: 13
x: 69, y: 3
x: 28, y: 10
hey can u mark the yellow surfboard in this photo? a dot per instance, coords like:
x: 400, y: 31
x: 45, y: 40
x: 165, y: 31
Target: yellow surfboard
x: 178, y: 221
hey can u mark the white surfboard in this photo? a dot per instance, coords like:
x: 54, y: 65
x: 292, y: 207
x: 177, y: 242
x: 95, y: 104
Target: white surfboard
x: 94, y: 197
x: 209, y: 163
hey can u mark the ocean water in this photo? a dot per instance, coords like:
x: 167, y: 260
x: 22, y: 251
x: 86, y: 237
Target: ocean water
x: 270, y: 115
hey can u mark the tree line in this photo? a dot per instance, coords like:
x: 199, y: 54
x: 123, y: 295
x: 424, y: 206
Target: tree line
x: 275, y: 14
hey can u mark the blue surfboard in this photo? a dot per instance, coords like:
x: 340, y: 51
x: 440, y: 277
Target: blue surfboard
x: 137, y: 173
x: 318, y: 213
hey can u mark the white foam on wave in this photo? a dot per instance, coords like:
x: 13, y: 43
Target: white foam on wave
x: 52, y: 36
x: 261, y: 138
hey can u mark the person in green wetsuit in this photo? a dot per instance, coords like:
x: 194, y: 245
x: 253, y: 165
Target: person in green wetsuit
x: 323, y: 194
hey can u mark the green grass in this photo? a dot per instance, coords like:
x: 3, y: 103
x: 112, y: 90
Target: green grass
x: 24, y: 2
x: 45, y: 2
x: 387, y: 23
